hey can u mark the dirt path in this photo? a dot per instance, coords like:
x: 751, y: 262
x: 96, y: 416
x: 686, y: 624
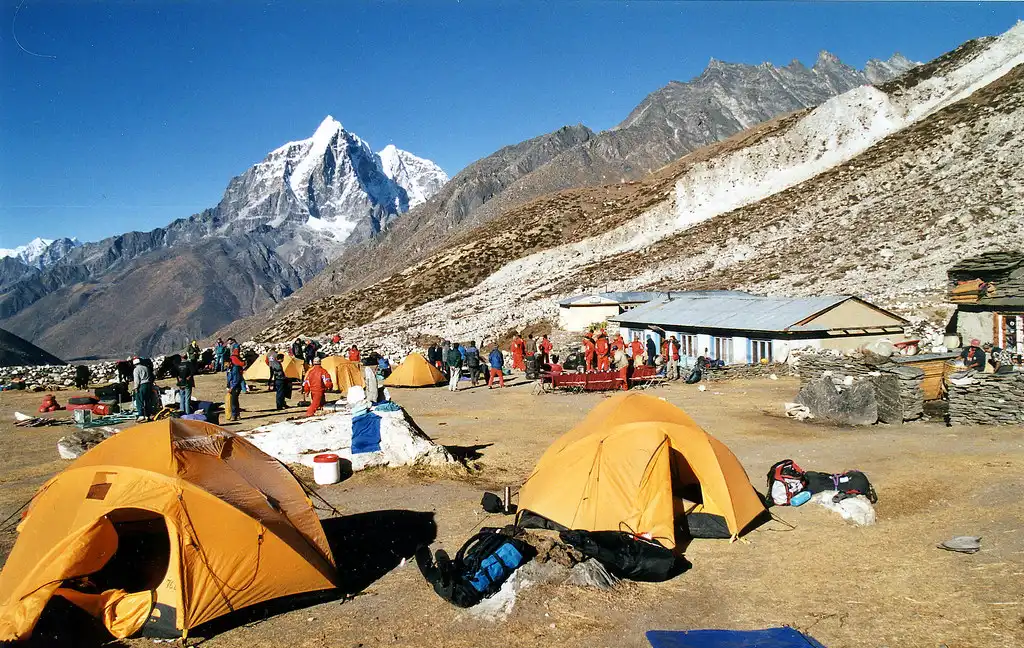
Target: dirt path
x: 885, y: 585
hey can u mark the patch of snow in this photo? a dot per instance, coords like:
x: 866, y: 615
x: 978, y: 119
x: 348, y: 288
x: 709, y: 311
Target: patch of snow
x: 39, y: 252
x: 297, y: 442
x: 420, y: 178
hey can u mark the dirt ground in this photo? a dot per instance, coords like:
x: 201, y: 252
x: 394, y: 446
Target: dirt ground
x: 884, y: 585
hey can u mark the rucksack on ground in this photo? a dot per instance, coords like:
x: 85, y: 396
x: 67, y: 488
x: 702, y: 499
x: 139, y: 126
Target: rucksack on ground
x: 785, y: 480
x: 848, y: 484
x: 479, y: 568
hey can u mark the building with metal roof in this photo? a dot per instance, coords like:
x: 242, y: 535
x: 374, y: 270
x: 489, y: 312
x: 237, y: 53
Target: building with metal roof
x: 738, y: 327
x: 580, y: 312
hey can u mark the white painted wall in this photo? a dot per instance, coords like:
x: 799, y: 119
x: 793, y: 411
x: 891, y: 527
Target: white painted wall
x: 739, y: 351
x: 580, y: 318
x: 975, y: 325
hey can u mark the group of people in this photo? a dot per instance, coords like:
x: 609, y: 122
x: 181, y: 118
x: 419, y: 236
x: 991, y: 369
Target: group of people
x: 975, y: 355
x: 602, y: 353
x: 451, y: 358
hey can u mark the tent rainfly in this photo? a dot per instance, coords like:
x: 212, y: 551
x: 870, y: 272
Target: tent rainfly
x: 414, y: 371
x: 260, y: 369
x: 208, y: 524
x: 344, y: 373
x: 633, y: 465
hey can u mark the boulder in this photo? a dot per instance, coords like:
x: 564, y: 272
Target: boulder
x: 888, y: 399
x: 79, y: 442
x: 819, y: 396
x: 855, y: 405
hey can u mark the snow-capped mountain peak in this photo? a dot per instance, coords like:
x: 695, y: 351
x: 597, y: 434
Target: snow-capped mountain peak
x: 40, y: 252
x: 420, y: 178
x: 328, y: 189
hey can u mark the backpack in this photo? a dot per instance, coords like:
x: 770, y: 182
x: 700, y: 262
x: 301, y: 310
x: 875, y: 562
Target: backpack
x: 785, y: 479
x: 849, y: 484
x: 480, y: 567
x: 472, y: 359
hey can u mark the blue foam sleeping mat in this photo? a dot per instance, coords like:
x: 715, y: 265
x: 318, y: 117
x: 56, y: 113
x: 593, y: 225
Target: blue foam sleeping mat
x: 769, y: 638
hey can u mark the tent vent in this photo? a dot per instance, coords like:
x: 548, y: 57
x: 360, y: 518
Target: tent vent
x: 212, y: 445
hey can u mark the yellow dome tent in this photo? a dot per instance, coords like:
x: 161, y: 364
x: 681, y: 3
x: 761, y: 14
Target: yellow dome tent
x: 260, y: 369
x: 219, y: 526
x: 414, y: 371
x: 633, y: 464
x: 344, y: 373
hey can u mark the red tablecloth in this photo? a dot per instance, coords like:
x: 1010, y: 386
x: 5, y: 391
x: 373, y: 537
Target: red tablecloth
x: 600, y: 380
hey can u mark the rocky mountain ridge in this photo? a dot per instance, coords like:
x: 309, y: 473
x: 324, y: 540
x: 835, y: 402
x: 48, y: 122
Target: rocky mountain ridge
x: 870, y: 193
x: 677, y: 119
x: 39, y: 252
x: 277, y: 225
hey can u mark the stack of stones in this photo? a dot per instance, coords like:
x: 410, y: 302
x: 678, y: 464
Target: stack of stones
x: 988, y: 399
x: 898, y: 393
x: 732, y: 372
x: 897, y: 388
x: 57, y: 377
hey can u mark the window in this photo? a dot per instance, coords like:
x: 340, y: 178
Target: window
x: 688, y: 346
x: 760, y: 350
x: 721, y: 349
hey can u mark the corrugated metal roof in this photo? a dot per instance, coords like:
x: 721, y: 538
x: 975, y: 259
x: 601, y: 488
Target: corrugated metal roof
x: 729, y: 310
x: 612, y: 298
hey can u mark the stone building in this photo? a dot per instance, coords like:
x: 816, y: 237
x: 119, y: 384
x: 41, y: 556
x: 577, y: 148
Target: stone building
x: 988, y: 291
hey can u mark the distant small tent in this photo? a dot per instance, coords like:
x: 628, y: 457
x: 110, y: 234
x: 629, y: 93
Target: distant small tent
x: 634, y: 464
x: 176, y: 523
x: 344, y: 373
x: 260, y: 369
x: 414, y: 371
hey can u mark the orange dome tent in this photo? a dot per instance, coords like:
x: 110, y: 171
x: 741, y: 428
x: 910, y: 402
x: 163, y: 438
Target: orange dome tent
x: 220, y: 526
x: 414, y: 371
x: 633, y: 464
x: 260, y: 369
x: 344, y: 373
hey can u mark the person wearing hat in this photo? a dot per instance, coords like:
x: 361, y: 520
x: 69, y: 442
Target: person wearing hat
x: 194, y: 353
x: 672, y: 358
x: 143, y: 378
x: 234, y: 387
x: 973, y: 356
x: 317, y: 382
x: 278, y: 379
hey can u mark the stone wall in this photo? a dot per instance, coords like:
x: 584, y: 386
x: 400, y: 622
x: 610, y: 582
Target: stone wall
x: 732, y: 372
x: 988, y: 399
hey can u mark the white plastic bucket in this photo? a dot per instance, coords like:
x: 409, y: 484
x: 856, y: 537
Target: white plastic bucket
x: 326, y: 469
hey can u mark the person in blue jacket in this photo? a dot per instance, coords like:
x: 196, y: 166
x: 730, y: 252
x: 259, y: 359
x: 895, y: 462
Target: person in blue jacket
x: 234, y: 380
x: 496, y: 360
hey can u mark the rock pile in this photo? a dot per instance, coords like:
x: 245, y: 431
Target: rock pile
x: 80, y: 441
x: 733, y: 372
x: 57, y: 377
x: 897, y: 394
x: 987, y: 399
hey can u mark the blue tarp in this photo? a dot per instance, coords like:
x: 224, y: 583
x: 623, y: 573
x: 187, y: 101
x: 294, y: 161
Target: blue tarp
x: 365, y: 433
x: 769, y: 638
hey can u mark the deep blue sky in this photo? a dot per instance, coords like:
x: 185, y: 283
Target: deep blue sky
x: 150, y: 107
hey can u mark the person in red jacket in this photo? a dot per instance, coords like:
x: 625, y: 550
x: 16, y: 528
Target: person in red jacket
x: 672, y: 371
x: 636, y: 348
x: 317, y: 382
x: 353, y: 353
x: 545, y: 350
x: 589, y: 350
x: 618, y: 343
x: 335, y: 339
x: 603, y: 348
x: 518, y: 353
